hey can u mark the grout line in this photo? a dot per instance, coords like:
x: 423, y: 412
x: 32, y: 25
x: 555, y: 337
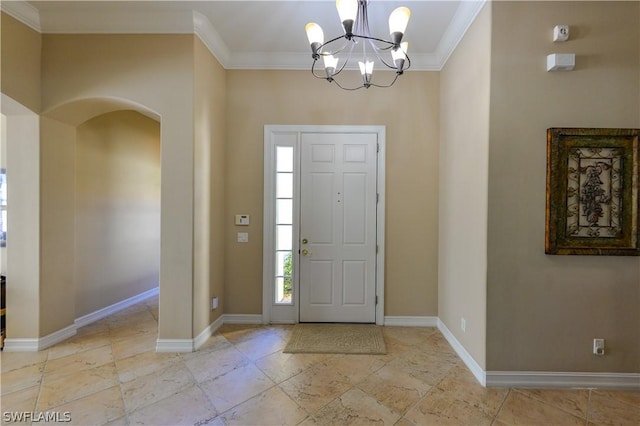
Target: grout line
x: 495, y: 418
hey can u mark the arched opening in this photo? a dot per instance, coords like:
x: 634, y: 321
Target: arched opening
x: 95, y: 172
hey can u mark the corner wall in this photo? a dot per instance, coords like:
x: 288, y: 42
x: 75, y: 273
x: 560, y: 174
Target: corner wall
x: 210, y: 137
x: 543, y: 311
x: 464, y: 168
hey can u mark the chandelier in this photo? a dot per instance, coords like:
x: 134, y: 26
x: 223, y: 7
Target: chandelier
x: 357, y: 43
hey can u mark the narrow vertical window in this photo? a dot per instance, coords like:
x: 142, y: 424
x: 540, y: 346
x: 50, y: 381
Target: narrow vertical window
x: 284, y: 225
x: 3, y: 208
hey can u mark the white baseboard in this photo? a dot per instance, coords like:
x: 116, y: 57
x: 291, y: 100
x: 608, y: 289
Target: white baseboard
x: 466, y: 357
x: 174, y: 345
x: 553, y: 379
x: 21, y: 345
x: 396, y: 321
x: 112, y: 309
x: 242, y: 318
x: 207, y: 332
x: 38, y: 344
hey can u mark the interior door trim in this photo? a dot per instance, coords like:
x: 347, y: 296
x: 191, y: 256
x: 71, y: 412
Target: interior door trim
x: 274, y: 314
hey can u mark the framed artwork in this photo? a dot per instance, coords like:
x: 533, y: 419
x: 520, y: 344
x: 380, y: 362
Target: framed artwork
x: 592, y: 206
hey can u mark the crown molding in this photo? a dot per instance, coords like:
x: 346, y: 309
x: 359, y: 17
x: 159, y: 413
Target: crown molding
x: 172, y: 22
x: 203, y: 28
x: 23, y: 12
x: 462, y: 20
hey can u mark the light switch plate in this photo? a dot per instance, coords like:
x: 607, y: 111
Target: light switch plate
x: 243, y: 237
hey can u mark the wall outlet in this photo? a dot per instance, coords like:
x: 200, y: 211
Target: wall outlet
x: 214, y: 303
x: 598, y: 347
x: 463, y: 325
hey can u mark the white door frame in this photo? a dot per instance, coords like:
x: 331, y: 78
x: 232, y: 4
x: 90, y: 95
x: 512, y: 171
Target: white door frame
x: 272, y: 313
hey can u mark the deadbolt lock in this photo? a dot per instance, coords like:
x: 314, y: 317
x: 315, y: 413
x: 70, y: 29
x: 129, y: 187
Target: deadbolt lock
x: 305, y: 241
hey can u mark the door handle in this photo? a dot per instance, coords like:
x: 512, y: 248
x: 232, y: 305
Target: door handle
x: 305, y: 252
x: 305, y: 241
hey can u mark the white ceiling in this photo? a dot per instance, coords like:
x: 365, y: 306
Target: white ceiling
x: 254, y: 34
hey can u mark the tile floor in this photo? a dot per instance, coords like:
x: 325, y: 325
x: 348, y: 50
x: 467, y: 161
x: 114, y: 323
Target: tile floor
x: 110, y: 374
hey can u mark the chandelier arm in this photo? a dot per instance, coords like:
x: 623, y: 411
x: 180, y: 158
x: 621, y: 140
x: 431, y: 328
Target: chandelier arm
x: 329, y: 42
x: 388, y: 85
x: 346, y: 61
x: 347, y: 88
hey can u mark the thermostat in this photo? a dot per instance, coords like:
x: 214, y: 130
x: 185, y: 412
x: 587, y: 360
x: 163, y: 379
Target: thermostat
x: 242, y: 219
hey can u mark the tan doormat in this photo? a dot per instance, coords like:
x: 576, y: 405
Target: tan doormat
x: 336, y: 339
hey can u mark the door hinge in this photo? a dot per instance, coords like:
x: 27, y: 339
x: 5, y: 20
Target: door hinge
x: 376, y: 300
x: 377, y: 198
x: 376, y: 249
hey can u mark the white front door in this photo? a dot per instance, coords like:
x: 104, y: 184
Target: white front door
x: 338, y: 227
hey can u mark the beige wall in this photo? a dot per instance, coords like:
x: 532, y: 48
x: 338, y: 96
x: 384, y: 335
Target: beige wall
x: 23, y: 247
x: 210, y: 137
x: 410, y: 112
x: 543, y: 311
x: 20, y: 65
x: 155, y: 72
x: 57, y: 223
x: 117, y: 209
x: 464, y: 167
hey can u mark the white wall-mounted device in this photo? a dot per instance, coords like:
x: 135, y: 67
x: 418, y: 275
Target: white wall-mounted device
x: 560, y: 33
x: 561, y: 61
x: 242, y: 219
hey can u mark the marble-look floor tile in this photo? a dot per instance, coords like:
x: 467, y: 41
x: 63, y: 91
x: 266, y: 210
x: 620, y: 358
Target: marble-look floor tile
x: 316, y: 387
x: 22, y: 400
x: 188, y: 407
x: 143, y: 364
x: 520, y: 409
x: 22, y: 378
x: 461, y: 385
x: 630, y: 397
x: 80, y: 361
x: 237, y: 333
x: 214, y: 343
x: 280, y: 366
x: 440, y: 408
x: 429, y: 368
x: 235, y: 387
x: 355, y: 368
x: 355, y: 407
x: 156, y: 386
x: 262, y: 345
x: 100, y: 326
x: 79, y: 343
x: 209, y: 365
x: 16, y: 360
x: 607, y: 410
x: 57, y: 390
x: 134, y: 345
x: 96, y: 409
x: 572, y: 401
x: 395, y: 389
x: 409, y: 335
x: 261, y: 410
x: 135, y: 329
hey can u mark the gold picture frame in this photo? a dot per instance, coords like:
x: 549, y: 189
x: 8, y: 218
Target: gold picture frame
x: 592, y: 205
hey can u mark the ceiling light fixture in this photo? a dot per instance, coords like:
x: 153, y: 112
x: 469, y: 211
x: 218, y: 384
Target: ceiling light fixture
x: 355, y: 22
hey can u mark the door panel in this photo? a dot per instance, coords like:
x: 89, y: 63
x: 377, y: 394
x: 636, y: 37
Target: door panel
x: 338, y: 227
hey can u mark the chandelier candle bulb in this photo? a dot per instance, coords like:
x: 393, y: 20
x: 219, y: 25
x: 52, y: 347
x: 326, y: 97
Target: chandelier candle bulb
x: 347, y: 10
x: 315, y: 36
x: 398, y: 21
x: 399, y: 54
